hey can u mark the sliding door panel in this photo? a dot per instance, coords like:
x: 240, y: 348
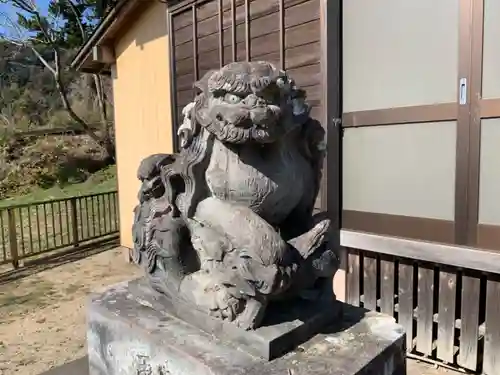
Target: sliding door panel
x: 399, y: 53
x: 401, y: 76
x: 400, y: 179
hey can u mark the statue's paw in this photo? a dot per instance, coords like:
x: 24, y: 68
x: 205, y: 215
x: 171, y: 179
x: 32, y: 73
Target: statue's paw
x: 244, y: 323
x: 308, y: 242
x: 251, y: 316
x: 326, y: 264
x: 208, y: 292
x: 225, y: 314
x: 224, y: 305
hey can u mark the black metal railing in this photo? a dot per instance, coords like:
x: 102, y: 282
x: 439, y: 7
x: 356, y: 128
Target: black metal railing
x: 31, y: 229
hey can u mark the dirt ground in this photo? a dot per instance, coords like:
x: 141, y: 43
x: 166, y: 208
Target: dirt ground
x: 42, y: 316
x: 42, y: 313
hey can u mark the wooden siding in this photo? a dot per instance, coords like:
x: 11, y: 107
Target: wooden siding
x: 212, y: 34
x: 141, y: 85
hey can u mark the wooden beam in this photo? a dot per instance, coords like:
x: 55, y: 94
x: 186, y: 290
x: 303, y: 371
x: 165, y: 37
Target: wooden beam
x: 474, y: 125
x: 489, y: 108
x: 451, y: 255
x: 401, y: 115
x: 103, y: 54
x: 106, y: 30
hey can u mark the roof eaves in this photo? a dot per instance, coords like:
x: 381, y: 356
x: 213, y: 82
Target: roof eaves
x: 100, y: 33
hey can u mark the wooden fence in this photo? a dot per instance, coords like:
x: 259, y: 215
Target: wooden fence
x: 29, y: 230
x: 446, y: 297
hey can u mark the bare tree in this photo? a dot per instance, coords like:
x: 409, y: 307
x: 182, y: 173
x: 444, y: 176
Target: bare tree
x: 7, y: 112
x: 48, y: 39
x: 6, y: 116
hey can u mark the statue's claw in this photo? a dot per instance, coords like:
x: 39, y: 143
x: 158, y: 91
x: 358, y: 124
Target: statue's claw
x: 252, y: 315
x: 224, y: 304
x: 308, y: 242
x: 326, y: 264
x: 205, y: 290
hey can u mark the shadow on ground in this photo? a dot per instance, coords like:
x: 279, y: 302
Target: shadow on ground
x: 50, y: 261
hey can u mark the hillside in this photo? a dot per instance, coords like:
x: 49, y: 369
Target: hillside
x: 29, y: 101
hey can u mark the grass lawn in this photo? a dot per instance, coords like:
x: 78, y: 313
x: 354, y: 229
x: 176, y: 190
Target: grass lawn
x: 100, y: 182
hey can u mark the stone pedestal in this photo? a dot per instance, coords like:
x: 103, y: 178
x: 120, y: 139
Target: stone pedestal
x: 129, y: 335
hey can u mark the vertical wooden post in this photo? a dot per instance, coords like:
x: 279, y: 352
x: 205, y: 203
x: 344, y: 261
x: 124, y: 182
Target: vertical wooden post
x: 13, y: 237
x: 74, y: 222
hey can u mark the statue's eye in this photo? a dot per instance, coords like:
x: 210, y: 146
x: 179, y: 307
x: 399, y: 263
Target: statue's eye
x: 232, y: 99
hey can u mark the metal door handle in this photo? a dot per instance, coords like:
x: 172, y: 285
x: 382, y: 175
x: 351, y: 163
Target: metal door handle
x: 463, y: 91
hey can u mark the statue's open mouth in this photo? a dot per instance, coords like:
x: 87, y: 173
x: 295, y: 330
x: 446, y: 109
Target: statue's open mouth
x: 241, y: 124
x: 236, y: 134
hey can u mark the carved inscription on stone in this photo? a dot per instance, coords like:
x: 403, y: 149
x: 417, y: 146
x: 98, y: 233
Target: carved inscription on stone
x: 163, y: 370
x: 143, y: 367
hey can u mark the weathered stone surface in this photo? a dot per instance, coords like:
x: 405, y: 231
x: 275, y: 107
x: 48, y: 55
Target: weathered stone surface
x: 126, y: 337
x: 79, y: 366
x: 227, y: 224
x: 286, y: 326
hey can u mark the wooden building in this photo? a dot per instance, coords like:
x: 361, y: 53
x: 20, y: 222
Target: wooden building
x: 409, y: 92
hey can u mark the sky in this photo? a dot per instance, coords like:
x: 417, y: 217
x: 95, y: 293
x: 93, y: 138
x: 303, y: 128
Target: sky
x: 41, y: 3
x: 8, y: 11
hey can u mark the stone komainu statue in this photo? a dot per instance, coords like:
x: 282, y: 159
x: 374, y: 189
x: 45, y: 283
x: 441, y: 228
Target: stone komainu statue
x: 227, y: 224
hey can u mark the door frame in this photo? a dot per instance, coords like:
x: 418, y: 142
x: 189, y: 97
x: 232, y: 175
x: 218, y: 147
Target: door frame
x: 331, y: 189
